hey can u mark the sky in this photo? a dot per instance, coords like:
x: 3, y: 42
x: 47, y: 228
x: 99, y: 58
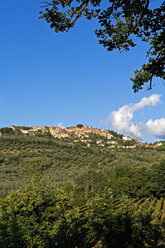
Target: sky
x: 66, y: 79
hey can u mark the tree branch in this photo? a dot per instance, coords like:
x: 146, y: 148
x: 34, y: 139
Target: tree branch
x: 81, y: 8
x: 46, y: 4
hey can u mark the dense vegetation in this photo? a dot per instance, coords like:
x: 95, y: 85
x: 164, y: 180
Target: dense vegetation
x: 56, y: 193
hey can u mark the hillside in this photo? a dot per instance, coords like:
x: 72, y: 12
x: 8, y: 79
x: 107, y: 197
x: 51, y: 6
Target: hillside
x: 60, y: 162
x: 81, y: 133
x: 63, y: 192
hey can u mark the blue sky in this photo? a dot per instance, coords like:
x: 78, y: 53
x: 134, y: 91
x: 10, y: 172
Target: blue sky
x: 48, y: 78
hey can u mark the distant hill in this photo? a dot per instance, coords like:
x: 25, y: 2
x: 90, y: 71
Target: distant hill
x: 80, y: 133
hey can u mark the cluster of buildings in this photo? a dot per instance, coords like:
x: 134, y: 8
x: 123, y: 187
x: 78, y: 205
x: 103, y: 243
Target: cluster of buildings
x: 155, y: 145
x: 78, y: 131
x: 82, y: 133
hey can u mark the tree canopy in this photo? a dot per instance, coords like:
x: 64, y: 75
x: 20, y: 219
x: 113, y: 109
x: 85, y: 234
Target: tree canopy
x: 119, y: 22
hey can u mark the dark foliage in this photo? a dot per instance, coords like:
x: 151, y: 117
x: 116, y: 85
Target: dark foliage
x: 119, y: 22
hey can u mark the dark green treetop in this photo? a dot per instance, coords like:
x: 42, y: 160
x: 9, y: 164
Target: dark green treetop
x: 6, y: 130
x: 120, y: 21
x: 79, y: 125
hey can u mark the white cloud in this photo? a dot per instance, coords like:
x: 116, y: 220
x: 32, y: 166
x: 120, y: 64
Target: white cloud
x: 157, y: 127
x: 60, y: 125
x: 147, y: 101
x: 122, y: 119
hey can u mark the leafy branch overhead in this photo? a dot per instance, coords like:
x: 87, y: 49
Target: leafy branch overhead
x: 119, y: 22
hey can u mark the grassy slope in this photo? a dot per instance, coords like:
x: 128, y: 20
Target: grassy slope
x: 60, y: 162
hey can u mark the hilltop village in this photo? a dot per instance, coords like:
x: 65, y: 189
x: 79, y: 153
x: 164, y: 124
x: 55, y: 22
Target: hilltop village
x: 81, y: 133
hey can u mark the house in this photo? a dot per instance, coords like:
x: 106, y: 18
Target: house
x: 112, y: 142
x: 58, y: 132
x: 112, y: 146
x: 109, y: 136
x: 140, y: 144
x: 98, y: 142
x: 126, y: 138
x: 36, y: 129
x: 160, y: 144
x: 12, y: 127
x: 131, y: 147
x: 147, y: 145
x: 45, y: 129
x: 109, y: 142
x: 101, y: 145
x: 24, y: 131
x: 121, y: 147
